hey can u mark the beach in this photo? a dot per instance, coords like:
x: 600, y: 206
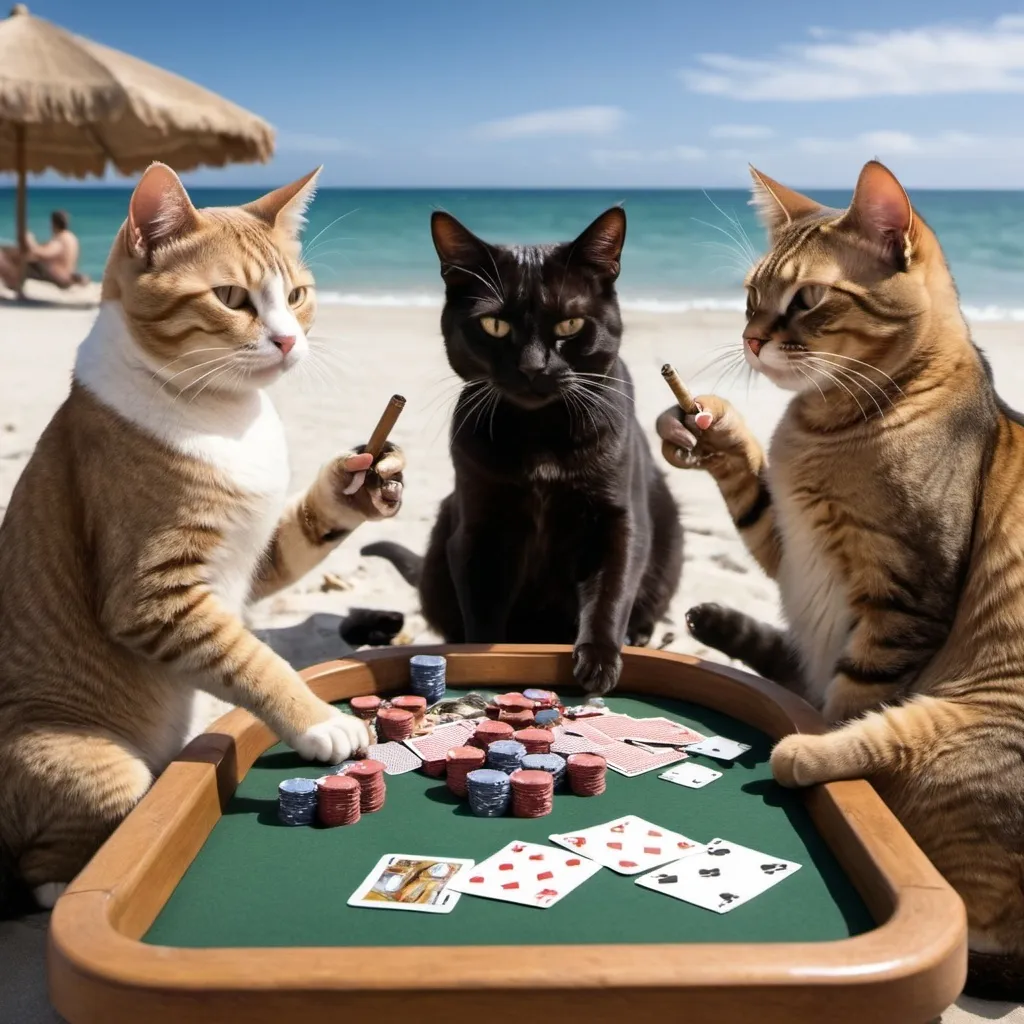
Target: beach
x: 332, y: 404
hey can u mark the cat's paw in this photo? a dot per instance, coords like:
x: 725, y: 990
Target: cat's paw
x: 333, y: 740
x: 47, y: 894
x: 796, y: 761
x: 596, y: 667
x: 372, y: 489
x: 705, y: 623
x: 694, y: 441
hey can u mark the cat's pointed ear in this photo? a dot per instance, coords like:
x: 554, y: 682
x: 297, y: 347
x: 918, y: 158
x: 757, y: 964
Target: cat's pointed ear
x: 159, y: 211
x: 881, y: 212
x: 286, y: 207
x: 778, y: 206
x: 600, y: 244
x: 457, y: 247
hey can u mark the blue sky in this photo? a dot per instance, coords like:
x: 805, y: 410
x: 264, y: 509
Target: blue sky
x: 568, y: 93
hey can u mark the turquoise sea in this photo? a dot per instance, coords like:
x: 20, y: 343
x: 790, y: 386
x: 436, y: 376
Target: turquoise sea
x: 372, y: 247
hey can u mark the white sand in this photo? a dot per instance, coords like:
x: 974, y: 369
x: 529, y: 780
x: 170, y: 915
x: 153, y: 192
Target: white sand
x: 376, y: 352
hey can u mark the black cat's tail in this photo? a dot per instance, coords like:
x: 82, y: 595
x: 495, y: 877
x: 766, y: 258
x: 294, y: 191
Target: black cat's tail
x: 408, y: 563
x: 998, y: 976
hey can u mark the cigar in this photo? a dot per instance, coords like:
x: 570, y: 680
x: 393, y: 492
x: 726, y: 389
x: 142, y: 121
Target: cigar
x: 683, y: 397
x: 385, y: 425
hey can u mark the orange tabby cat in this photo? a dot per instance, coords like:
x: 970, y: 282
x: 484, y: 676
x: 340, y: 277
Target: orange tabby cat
x: 891, y: 514
x: 153, y: 508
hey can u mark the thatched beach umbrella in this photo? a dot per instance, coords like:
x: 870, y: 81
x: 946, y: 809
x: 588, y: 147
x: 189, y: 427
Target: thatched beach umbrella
x: 73, y: 106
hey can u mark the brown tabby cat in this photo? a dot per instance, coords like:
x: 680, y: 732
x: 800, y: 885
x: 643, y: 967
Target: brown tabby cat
x: 891, y: 514
x: 151, y: 510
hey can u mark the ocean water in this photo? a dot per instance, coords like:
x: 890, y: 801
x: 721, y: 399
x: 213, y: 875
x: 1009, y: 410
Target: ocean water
x: 685, y: 249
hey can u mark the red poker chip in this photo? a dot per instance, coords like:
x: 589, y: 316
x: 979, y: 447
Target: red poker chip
x: 536, y: 741
x: 373, y: 790
x: 532, y: 793
x: 411, y: 702
x: 459, y: 763
x: 338, y: 800
x: 517, y: 719
x: 365, y: 707
x: 396, y: 724
x: 492, y: 711
x: 434, y: 769
x: 490, y: 732
x: 513, y: 702
x: 587, y: 774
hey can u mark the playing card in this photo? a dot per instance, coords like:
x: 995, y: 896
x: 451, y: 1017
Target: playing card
x: 719, y: 747
x: 397, y: 758
x: 622, y: 727
x: 628, y: 845
x: 402, y: 881
x: 630, y: 760
x: 693, y: 776
x: 434, y: 746
x: 535, y: 876
x: 721, y: 877
x: 567, y: 744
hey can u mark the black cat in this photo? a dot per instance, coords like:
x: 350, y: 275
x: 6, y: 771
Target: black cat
x: 560, y: 529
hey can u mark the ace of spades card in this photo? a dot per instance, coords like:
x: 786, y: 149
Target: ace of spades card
x: 722, y: 877
x: 628, y: 845
x: 526, y: 873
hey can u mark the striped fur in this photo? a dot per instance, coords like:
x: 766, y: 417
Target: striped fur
x: 153, y: 508
x: 891, y: 514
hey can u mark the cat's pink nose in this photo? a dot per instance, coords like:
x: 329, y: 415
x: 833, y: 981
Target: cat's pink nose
x: 285, y: 342
x: 756, y: 344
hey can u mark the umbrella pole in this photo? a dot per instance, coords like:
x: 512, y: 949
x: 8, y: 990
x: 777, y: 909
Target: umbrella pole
x: 21, y: 160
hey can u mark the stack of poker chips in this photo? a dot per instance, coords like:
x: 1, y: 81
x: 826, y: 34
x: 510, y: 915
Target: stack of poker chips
x: 547, y: 718
x: 536, y: 741
x: 296, y: 802
x: 338, y: 800
x: 365, y: 708
x: 554, y: 764
x: 541, y: 698
x: 459, y: 763
x: 517, y: 719
x: 532, y: 793
x: 395, y: 724
x: 490, y: 792
x: 427, y: 676
x: 505, y: 755
x: 415, y: 704
x: 369, y: 774
x: 587, y: 773
x: 434, y: 769
x: 488, y: 732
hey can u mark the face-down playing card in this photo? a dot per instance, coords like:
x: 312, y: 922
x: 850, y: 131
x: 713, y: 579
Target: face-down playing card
x: 526, y: 873
x: 628, y: 845
x: 721, y: 877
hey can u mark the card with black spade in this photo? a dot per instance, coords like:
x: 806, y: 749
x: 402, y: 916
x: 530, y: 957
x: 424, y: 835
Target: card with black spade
x: 724, y: 876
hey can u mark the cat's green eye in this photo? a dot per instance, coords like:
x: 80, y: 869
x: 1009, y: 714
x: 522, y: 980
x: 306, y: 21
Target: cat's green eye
x: 494, y: 327
x: 232, y: 296
x: 296, y: 296
x: 567, y: 328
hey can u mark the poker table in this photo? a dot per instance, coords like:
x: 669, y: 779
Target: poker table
x: 202, y: 907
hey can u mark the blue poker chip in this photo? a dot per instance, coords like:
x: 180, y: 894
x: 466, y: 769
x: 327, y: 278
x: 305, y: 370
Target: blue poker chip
x: 489, y: 791
x: 549, y: 716
x: 505, y: 755
x: 296, y: 802
x: 554, y: 764
x: 427, y: 676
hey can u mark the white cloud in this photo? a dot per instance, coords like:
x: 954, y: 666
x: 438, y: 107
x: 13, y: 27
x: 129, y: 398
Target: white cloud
x: 559, y: 121
x: 924, y: 61
x: 299, y: 142
x: 945, y: 145
x: 741, y: 131
x: 673, y: 154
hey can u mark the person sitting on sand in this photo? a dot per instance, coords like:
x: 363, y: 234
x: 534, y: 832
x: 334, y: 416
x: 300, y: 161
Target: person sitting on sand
x: 54, y: 261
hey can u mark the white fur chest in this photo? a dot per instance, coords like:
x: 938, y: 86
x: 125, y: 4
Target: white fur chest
x: 814, y: 595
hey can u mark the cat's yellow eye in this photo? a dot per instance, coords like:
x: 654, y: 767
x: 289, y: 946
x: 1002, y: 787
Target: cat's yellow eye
x: 494, y: 327
x: 807, y: 297
x: 567, y: 328
x: 296, y: 296
x: 232, y: 295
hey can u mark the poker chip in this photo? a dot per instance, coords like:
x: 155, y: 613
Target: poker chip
x: 543, y: 698
x: 435, y: 769
x: 492, y: 711
x: 505, y: 755
x: 532, y: 793
x: 413, y: 703
x: 365, y: 707
x: 513, y: 702
x: 517, y: 719
x: 490, y: 732
x: 427, y: 676
x: 547, y: 718
x: 536, y: 741
x: 395, y: 724
x: 587, y: 774
x: 459, y: 763
x: 337, y: 800
x: 372, y: 789
x: 554, y: 764
x: 296, y: 802
x: 490, y: 792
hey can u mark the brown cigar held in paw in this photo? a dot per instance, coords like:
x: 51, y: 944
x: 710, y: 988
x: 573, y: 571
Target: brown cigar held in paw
x: 683, y: 397
x: 385, y: 425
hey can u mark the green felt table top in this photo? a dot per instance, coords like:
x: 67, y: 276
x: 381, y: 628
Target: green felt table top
x: 259, y: 883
